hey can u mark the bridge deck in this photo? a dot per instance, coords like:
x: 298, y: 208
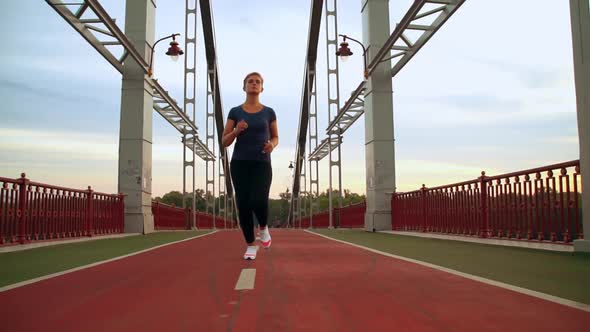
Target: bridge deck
x: 304, y: 282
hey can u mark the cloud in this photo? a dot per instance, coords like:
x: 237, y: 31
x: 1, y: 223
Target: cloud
x: 79, y: 66
x: 457, y: 110
x: 472, y: 102
x: 572, y: 139
x: 531, y: 77
x: 245, y: 22
x: 58, y: 145
x: 412, y: 173
x: 43, y: 93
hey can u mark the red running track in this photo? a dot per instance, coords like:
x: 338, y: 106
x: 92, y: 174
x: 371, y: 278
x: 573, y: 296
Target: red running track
x: 303, y: 283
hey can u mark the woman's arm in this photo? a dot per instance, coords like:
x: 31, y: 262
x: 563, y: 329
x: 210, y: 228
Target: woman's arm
x: 229, y: 134
x: 274, y: 134
x: 274, y: 138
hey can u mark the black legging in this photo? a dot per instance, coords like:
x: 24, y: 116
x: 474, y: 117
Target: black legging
x: 251, y: 181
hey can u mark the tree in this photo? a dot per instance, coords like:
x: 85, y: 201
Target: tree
x: 171, y: 198
x: 278, y: 209
x: 175, y: 198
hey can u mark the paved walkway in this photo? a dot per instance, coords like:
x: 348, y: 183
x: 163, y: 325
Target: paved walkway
x: 303, y: 283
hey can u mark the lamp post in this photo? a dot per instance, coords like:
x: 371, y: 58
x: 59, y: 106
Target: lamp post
x: 292, y: 177
x: 291, y: 173
x: 173, y: 51
x: 344, y: 52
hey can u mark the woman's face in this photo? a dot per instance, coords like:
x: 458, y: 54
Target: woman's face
x: 253, y: 84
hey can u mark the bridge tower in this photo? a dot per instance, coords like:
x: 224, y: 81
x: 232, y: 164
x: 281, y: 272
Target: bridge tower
x: 580, y: 19
x: 135, y: 133
x: 379, y: 146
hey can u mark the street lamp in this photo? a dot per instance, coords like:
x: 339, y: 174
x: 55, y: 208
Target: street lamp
x: 173, y: 51
x: 344, y: 52
x: 291, y: 171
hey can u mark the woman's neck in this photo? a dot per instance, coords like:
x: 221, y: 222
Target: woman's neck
x: 252, y: 100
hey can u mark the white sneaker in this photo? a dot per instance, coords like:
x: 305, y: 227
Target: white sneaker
x: 265, y: 238
x: 251, y: 252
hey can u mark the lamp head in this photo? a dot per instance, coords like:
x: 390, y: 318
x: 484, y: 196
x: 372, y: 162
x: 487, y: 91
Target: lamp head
x: 344, y: 52
x: 174, y: 51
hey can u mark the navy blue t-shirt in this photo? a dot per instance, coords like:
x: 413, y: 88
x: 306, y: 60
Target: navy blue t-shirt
x: 251, y: 141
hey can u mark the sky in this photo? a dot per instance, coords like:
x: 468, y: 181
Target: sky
x: 492, y: 90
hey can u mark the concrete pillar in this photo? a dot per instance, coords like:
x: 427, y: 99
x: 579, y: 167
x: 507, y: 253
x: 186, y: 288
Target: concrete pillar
x: 580, y: 14
x: 379, y: 149
x: 135, y: 136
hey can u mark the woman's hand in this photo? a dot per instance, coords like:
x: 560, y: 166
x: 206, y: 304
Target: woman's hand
x: 241, y: 126
x: 268, y: 147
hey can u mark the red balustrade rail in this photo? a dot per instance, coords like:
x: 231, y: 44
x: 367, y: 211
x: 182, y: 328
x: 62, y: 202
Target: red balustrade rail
x: 320, y: 220
x: 222, y: 223
x: 304, y: 223
x: 205, y: 220
x: 31, y: 211
x: 171, y: 217
x: 352, y: 216
x: 542, y: 204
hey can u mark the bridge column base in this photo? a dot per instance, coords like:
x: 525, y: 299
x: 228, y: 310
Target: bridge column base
x: 378, y: 221
x: 139, y: 223
x: 582, y: 245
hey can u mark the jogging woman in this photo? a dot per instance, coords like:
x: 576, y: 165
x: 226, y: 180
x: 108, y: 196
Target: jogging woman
x: 254, y: 127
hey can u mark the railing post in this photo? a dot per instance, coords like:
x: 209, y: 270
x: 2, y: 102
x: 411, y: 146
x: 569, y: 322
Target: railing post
x: 424, y: 214
x: 89, y: 212
x: 23, y: 183
x: 393, y: 210
x: 188, y: 213
x: 483, y: 193
x: 122, y: 212
x: 156, y: 212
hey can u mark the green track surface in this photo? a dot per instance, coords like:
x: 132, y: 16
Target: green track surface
x: 565, y: 275
x: 33, y: 263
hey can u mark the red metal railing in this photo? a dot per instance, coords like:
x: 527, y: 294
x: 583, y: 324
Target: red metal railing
x: 171, y: 217
x: 320, y: 220
x: 205, y: 220
x: 31, y: 211
x: 352, y: 216
x: 535, y: 204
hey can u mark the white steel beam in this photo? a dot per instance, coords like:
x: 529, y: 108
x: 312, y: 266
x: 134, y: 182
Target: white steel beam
x: 308, y: 81
x: 323, y: 149
x: 190, y: 90
x: 353, y: 109
x: 213, y: 79
x: 333, y: 81
x: 163, y: 103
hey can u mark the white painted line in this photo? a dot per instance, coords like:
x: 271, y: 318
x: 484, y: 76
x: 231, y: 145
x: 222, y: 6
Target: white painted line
x: 57, y: 274
x: 246, y: 279
x: 543, y: 296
